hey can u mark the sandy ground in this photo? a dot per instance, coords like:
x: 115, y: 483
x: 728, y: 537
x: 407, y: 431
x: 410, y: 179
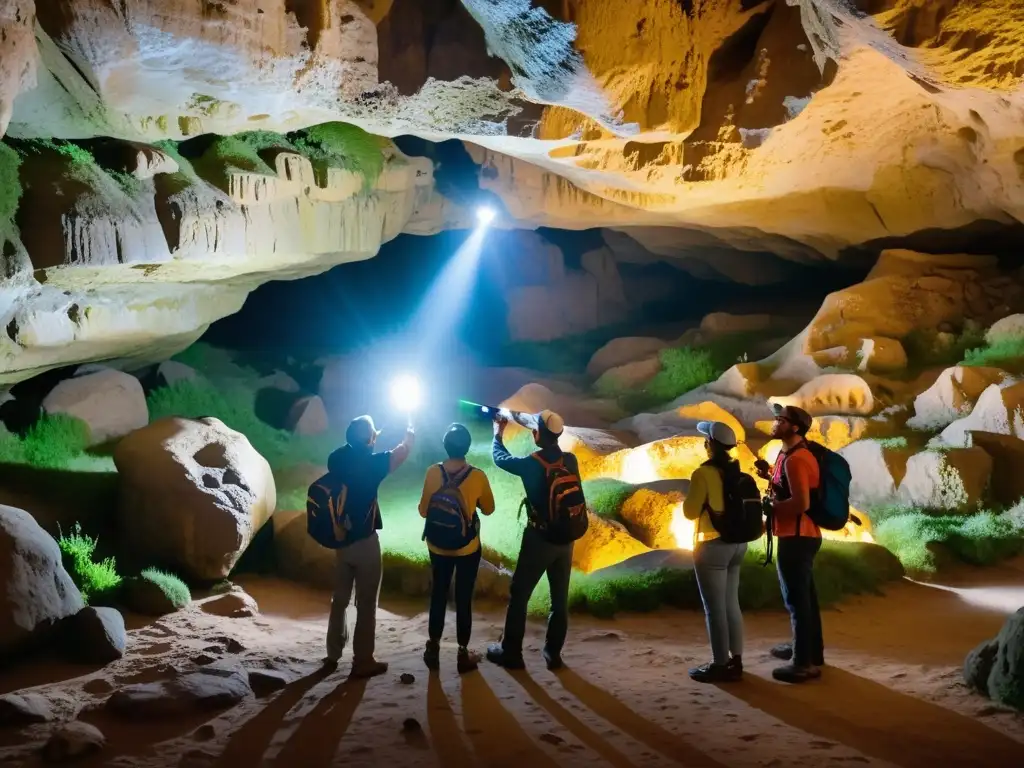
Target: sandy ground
x: 892, y: 694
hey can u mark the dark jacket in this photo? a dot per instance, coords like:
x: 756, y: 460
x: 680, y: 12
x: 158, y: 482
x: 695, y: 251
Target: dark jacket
x: 531, y: 471
x: 363, y: 472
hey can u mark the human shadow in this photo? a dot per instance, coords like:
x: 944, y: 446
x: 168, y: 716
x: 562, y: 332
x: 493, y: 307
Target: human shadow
x: 605, y: 705
x: 316, y: 739
x: 569, y: 721
x: 249, y: 743
x: 496, y: 736
x: 865, y: 715
x: 445, y: 733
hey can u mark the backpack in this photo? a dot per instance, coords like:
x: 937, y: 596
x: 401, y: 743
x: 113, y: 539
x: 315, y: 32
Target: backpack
x: 830, y: 506
x: 566, y: 516
x: 741, y: 521
x: 328, y: 521
x: 446, y: 526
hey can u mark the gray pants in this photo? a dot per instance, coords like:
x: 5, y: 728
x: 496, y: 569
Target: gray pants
x: 717, y: 567
x: 358, y: 564
x: 537, y: 557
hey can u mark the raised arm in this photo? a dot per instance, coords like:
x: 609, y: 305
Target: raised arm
x: 502, y: 458
x: 398, y: 456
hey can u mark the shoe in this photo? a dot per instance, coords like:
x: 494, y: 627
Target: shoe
x: 329, y: 664
x: 794, y: 674
x: 736, y: 663
x: 784, y: 652
x: 370, y: 668
x: 432, y: 655
x: 716, y: 673
x: 553, y: 660
x: 497, y: 655
x: 468, y: 660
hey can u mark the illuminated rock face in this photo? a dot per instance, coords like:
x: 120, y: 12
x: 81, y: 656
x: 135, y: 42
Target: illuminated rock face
x: 735, y: 138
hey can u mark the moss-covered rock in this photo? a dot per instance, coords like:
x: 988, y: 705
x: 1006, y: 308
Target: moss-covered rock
x: 155, y: 593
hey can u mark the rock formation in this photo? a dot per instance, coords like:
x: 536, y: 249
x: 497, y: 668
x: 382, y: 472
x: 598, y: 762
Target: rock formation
x: 733, y: 138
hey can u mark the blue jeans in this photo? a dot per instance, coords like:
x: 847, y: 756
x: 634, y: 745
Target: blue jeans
x: 716, y: 564
x: 537, y: 556
x: 464, y: 570
x: 795, y: 561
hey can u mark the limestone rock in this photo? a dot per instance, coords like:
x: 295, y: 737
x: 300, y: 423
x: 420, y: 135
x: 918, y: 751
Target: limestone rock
x: 836, y: 393
x: 1006, y: 679
x: 656, y: 519
x: 872, y: 482
x: 605, y: 543
x: 112, y: 403
x: 952, y: 396
x: 168, y: 373
x: 626, y: 349
x: 307, y: 416
x: 73, y: 741
x: 37, y: 592
x: 881, y: 355
x: 978, y: 665
x: 208, y: 688
x: 193, y: 495
x: 233, y: 605
x: 722, y: 323
x: 17, y: 709
x: 1010, y: 328
x: 96, y: 635
x: 493, y: 581
x: 628, y: 376
x: 145, y: 597
x: 999, y: 409
x: 955, y: 480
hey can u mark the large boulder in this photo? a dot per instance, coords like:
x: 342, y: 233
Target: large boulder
x: 628, y: 376
x: 208, y: 688
x: 1006, y: 679
x: 1008, y: 329
x: 1000, y: 409
x: 1007, y: 454
x: 619, y: 352
x: 111, y: 403
x: 683, y: 421
x: 307, y: 416
x: 952, y: 396
x: 193, y: 495
x: 655, y: 517
x: 832, y: 393
x: 956, y: 480
x: 35, y: 591
x: 722, y: 323
x: 605, y: 543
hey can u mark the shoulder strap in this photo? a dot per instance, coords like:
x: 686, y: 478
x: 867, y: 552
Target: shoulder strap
x: 444, y: 475
x: 548, y: 466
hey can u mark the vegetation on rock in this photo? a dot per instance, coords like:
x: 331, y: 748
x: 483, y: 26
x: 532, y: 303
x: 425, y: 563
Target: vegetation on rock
x: 98, y: 581
x: 341, y: 145
x: 155, y: 592
x: 10, y: 188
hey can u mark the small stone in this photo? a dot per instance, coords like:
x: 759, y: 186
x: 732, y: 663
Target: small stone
x: 411, y: 725
x: 72, y: 741
x: 551, y: 738
x: 204, y: 732
x: 24, y: 709
x: 202, y: 659
x: 233, y: 605
x: 266, y: 681
x: 96, y: 635
x: 407, y: 679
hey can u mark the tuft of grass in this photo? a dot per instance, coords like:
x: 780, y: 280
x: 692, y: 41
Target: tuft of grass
x: 918, y: 538
x: 682, y: 370
x: 924, y: 347
x: 55, y: 441
x: 260, y: 141
x: 173, y: 588
x: 606, y: 497
x: 97, y: 581
x: 893, y: 443
x: 155, y: 593
x: 12, y: 450
x: 341, y: 145
x: 997, y: 354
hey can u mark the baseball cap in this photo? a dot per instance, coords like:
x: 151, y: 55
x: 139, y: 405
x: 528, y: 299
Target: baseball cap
x: 719, y: 432
x: 360, y: 431
x: 551, y: 421
x: 791, y: 413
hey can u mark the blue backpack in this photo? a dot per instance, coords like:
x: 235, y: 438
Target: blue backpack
x: 328, y: 520
x: 446, y: 526
x: 830, y: 506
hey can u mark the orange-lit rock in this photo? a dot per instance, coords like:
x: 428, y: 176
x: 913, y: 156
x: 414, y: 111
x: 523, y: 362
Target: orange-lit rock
x: 605, y: 543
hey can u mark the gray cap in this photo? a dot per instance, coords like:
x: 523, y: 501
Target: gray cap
x: 719, y: 432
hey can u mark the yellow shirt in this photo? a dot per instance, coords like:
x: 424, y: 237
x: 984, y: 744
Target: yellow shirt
x: 705, y: 488
x: 476, y: 494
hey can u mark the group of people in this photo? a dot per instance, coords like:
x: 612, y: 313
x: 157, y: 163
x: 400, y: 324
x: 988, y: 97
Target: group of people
x: 550, y: 478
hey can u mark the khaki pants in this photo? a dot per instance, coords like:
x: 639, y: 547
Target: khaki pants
x: 357, y: 565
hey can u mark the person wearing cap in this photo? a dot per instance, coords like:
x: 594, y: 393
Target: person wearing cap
x: 794, y: 478
x: 462, y: 564
x: 537, y: 555
x: 358, y: 561
x: 716, y: 563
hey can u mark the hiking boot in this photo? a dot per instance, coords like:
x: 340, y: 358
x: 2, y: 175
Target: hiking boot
x: 328, y: 664
x: 432, y: 655
x: 371, y: 668
x: 735, y: 663
x: 784, y: 652
x: 716, y: 673
x: 497, y: 655
x: 468, y: 660
x: 794, y: 674
x: 553, y: 660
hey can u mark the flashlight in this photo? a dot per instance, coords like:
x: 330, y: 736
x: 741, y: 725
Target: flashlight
x: 485, y: 215
x: 405, y: 394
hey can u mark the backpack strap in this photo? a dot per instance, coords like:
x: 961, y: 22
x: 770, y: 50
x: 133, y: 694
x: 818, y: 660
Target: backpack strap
x: 548, y: 465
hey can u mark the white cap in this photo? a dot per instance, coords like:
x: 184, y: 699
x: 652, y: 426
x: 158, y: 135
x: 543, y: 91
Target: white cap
x: 551, y: 421
x: 719, y: 432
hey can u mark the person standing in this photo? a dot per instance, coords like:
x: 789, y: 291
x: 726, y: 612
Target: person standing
x: 794, y: 478
x: 358, y: 559
x: 557, y: 516
x: 453, y: 491
x: 717, y: 558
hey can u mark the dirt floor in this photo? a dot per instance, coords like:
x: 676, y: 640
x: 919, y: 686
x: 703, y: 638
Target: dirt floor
x: 891, y: 695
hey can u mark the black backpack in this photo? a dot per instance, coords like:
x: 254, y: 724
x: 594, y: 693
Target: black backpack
x: 566, y: 518
x: 446, y: 526
x: 329, y: 520
x: 742, y: 520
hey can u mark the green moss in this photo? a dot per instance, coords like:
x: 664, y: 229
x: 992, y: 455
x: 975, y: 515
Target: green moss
x: 155, y: 593
x: 97, y: 581
x: 893, y: 443
x: 682, y: 370
x: 227, y: 155
x: 176, y: 591
x: 55, y: 441
x: 919, y: 539
x: 606, y: 497
x: 10, y: 187
x: 341, y: 145
x: 260, y: 141
x: 1006, y: 351
x: 925, y: 347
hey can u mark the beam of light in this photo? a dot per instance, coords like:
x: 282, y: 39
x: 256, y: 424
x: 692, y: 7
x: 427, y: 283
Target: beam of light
x: 996, y: 598
x: 485, y: 215
x: 405, y: 393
